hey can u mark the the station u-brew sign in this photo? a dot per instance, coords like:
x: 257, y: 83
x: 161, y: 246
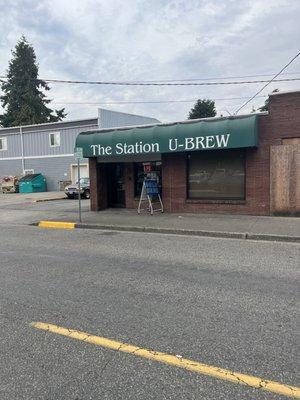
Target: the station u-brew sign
x: 193, y: 136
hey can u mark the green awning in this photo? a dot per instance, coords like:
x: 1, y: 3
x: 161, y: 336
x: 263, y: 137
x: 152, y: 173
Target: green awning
x: 222, y: 133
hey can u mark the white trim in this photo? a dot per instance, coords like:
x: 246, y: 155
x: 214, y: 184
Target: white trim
x: 31, y: 157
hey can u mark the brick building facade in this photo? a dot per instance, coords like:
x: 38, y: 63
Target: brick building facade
x: 267, y: 174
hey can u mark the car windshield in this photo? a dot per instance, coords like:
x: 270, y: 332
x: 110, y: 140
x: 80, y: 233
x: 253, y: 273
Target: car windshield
x: 85, y: 181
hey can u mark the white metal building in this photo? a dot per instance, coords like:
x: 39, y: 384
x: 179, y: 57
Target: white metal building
x: 48, y: 148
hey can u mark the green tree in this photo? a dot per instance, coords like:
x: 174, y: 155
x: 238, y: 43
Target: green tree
x: 203, y: 109
x: 265, y: 107
x: 23, y: 101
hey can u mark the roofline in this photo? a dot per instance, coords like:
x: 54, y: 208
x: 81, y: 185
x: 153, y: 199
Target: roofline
x: 284, y: 92
x: 69, y: 121
x: 185, y: 122
x: 122, y: 112
x: 48, y: 123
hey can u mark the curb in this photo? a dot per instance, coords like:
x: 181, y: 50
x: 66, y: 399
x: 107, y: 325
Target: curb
x: 43, y: 200
x: 186, y: 232
x: 56, y: 225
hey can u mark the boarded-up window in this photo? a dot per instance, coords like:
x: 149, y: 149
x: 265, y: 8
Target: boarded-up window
x: 216, y: 175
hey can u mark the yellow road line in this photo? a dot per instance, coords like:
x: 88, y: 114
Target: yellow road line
x: 56, y: 225
x: 176, y: 361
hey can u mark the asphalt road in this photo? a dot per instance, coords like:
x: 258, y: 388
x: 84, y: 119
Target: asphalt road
x: 222, y: 302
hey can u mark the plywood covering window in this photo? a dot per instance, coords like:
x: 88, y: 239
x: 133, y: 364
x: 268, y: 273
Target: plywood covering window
x: 3, y: 143
x: 216, y: 175
x: 54, y: 139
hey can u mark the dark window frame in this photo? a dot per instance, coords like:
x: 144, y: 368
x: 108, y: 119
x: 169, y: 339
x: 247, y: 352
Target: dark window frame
x: 214, y: 199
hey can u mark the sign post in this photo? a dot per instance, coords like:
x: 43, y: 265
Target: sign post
x: 78, y: 153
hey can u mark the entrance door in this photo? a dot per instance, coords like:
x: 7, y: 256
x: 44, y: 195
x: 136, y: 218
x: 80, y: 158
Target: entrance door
x: 115, y: 185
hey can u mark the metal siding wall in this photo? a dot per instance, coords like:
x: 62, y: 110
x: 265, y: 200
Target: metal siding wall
x: 38, y: 143
x: 10, y: 167
x: 53, y: 169
x: 13, y: 146
x: 113, y: 119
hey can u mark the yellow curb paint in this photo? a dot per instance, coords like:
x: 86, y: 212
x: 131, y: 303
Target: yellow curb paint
x: 169, y: 359
x: 56, y: 225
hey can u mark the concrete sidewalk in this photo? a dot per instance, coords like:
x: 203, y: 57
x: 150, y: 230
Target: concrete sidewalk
x: 214, y: 225
x: 21, y: 198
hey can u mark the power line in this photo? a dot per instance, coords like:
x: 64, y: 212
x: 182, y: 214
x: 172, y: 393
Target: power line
x: 146, y: 101
x: 120, y: 83
x: 195, y: 79
x: 207, y: 79
x: 268, y: 83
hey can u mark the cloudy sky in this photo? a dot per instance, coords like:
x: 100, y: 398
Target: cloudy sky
x: 154, y: 40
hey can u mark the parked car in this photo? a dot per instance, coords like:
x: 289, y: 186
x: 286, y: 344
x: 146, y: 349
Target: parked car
x: 72, y: 190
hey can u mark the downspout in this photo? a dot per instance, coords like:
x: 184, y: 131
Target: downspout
x: 22, y: 151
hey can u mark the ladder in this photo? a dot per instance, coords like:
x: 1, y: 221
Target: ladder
x: 150, y: 195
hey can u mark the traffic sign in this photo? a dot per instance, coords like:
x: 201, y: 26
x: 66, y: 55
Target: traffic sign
x: 78, y: 152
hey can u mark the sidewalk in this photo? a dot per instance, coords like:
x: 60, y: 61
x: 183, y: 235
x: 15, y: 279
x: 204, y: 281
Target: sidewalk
x: 19, y: 198
x: 213, y: 225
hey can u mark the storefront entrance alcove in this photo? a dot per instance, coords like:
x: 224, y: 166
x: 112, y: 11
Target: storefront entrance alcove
x: 115, y: 185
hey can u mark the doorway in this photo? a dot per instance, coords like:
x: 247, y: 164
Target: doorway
x: 115, y: 185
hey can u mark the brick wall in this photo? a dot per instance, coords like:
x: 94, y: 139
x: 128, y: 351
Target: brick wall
x: 282, y: 122
x: 98, y: 185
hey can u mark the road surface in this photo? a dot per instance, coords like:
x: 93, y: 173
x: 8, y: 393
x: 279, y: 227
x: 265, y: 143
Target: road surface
x: 225, y: 303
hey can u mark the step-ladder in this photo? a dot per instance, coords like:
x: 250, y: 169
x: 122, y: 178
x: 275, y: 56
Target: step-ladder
x: 150, y: 195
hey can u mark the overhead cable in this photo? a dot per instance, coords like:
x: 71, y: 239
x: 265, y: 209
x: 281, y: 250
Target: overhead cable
x: 120, y: 83
x: 145, y: 101
x: 268, y: 83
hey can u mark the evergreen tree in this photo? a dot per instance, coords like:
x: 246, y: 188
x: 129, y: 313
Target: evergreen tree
x: 23, y: 101
x: 203, y: 109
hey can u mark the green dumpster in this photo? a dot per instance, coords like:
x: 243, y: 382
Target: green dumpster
x: 32, y: 183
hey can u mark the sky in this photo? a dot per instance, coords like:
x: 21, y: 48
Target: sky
x: 127, y: 40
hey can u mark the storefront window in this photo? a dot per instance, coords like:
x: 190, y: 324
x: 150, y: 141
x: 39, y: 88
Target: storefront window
x: 216, y: 175
x: 154, y: 172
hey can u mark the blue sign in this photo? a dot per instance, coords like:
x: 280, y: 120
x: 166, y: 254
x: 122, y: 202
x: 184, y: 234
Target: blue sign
x: 151, y: 187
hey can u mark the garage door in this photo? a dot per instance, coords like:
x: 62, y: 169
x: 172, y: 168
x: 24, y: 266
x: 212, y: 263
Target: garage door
x: 84, y: 172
